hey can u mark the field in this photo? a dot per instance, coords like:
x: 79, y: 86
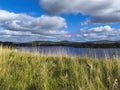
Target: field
x: 34, y: 71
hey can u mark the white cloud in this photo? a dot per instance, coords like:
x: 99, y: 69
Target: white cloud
x: 25, y: 36
x: 101, y: 33
x: 21, y: 27
x: 101, y: 11
x: 90, y: 35
x: 102, y: 29
x: 23, y: 22
x: 15, y: 33
x: 95, y: 33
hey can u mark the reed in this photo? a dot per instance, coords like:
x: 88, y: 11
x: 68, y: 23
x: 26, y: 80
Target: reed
x: 34, y: 71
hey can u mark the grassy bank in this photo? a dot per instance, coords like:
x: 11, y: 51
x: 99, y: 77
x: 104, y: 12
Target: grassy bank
x: 32, y: 71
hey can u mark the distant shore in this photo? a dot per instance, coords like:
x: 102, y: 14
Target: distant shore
x: 97, y: 44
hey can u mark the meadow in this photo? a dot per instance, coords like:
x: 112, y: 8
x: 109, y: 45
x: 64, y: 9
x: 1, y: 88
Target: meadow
x: 33, y: 71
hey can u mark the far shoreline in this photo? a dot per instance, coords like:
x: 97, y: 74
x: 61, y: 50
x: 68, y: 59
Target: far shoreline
x: 94, y: 44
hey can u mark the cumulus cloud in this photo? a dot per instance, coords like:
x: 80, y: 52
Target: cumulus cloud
x: 101, y: 29
x: 101, y: 33
x: 90, y: 34
x: 23, y: 22
x: 100, y: 11
x: 15, y: 33
x: 21, y: 36
x: 22, y: 27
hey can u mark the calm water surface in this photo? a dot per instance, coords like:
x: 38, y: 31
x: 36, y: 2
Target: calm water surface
x: 71, y: 51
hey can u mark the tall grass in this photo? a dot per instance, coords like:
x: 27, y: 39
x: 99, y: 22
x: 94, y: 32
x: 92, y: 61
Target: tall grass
x: 33, y: 71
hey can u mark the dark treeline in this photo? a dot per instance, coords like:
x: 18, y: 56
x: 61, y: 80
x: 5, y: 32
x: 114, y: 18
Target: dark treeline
x: 64, y: 43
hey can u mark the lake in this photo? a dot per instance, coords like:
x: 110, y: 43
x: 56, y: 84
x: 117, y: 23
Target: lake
x: 71, y: 51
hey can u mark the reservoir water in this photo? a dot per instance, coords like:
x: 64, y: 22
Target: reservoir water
x: 71, y: 51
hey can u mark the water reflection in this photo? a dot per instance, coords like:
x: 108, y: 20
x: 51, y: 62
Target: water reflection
x: 71, y: 51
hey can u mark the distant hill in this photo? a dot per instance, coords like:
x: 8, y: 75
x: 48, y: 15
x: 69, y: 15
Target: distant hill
x: 104, y: 42
x: 92, y: 44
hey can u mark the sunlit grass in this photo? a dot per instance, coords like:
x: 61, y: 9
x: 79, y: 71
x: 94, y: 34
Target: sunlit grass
x: 34, y: 71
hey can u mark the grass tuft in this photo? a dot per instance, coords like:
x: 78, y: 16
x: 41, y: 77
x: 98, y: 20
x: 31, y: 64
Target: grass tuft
x: 33, y: 71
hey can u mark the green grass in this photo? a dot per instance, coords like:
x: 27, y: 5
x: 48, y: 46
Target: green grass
x: 33, y: 71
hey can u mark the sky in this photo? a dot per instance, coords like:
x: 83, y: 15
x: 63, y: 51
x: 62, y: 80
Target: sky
x: 57, y: 20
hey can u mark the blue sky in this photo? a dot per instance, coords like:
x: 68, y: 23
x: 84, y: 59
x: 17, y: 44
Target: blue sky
x: 55, y: 20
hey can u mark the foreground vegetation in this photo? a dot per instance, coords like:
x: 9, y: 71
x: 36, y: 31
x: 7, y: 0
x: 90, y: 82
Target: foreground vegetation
x: 33, y: 71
